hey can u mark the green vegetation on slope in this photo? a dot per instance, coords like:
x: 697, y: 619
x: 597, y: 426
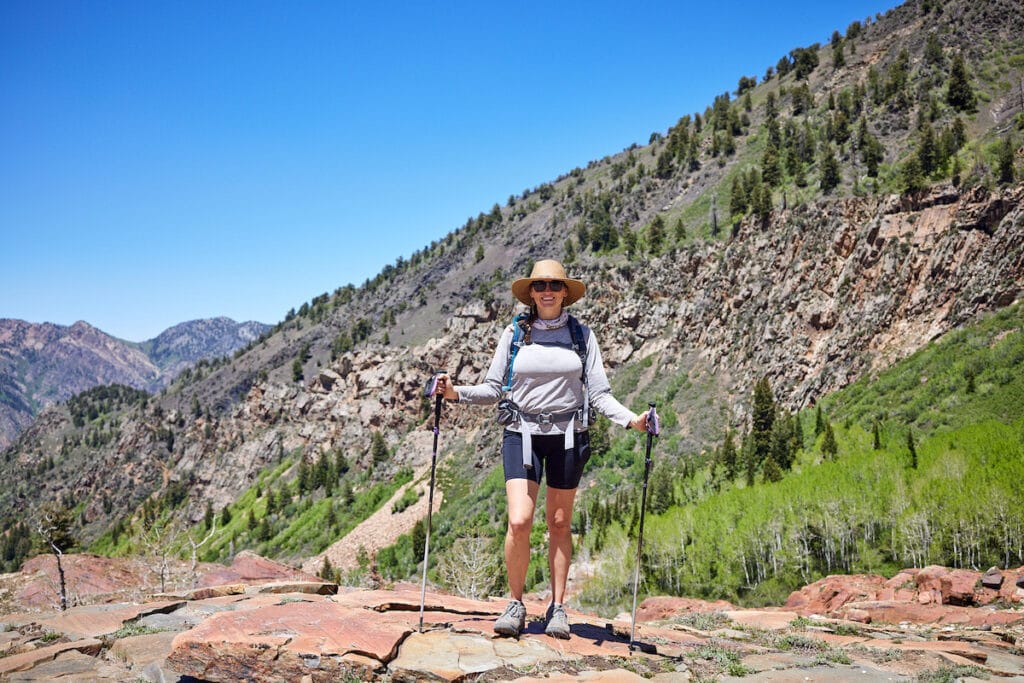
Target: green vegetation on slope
x: 949, y: 495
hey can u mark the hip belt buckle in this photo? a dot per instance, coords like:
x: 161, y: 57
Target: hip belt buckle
x: 545, y: 418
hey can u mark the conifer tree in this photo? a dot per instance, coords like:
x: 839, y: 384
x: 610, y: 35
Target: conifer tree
x: 933, y: 50
x: 419, y: 538
x: 762, y: 419
x: 830, y: 172
x: 838, y: 59
x: 304, y: 478
x: 912, y: 448
x: 737, y: 199
x: 378, y: 448
x: 749, y: 458
x: 912, y: 175
x: 629, y: 243
x: 327, y: 570
x: 772, y: 471
x: 656, y: 234
x: 662, y: 495
x: 927, y: 150
x: 829, y: 447
x: 679, y: 231
x: 1005, y: 160
x: 783, y: 446
x: 770, y: 171
x: 959, y: 93
x: 728, y: 456
x: 876, y: 437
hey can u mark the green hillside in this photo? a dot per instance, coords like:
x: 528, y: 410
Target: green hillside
x: 949, y: 494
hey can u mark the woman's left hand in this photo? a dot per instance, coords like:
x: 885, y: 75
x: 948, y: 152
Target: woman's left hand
x: 640, y: 423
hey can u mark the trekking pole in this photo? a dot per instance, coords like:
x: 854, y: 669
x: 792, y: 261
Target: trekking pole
x: 430, y: 390
x: 653, y: 428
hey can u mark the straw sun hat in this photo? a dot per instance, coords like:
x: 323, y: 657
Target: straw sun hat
x: 548, y: 269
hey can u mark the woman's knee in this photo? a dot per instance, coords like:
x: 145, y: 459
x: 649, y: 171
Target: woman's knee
x: 559, y: 521
x: 520, y: 525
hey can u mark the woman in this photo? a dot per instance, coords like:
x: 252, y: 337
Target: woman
x: 546, y: 427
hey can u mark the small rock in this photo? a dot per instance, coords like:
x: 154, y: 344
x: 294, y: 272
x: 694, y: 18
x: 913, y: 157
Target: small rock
x: 993, y: 579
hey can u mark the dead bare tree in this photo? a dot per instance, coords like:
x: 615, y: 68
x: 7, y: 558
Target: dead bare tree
x: 470, y: 568
x: 53, y: 525
x: 157, y: 542
x: 196, y: 545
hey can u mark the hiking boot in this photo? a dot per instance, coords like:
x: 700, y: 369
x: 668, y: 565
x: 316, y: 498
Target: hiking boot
x: 512, y: 621
x: 558, y: 623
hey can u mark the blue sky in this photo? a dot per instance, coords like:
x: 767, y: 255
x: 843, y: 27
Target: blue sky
x: 161, y: 162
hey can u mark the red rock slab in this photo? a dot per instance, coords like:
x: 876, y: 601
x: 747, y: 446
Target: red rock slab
x: 671, y: 641
x: 830, y: 593
x: 452, y: 656
x: 86, y: 576
x: 256, y: 600
x: 771, y: 620
x: 27, y: 660
x: 250, y: 568
x: 608, y: 676
x: 138, y: 652
x: 664, y: 607
x: 307, y: 587
x: 91, y: 621
x: 835, y: 639
x: 221, y: 591
x: 409, y: 600
x: 897, y: 612
x: 976, y: 655
x: 285, y: 642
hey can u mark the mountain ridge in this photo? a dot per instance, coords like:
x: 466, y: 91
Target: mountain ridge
x: 44, y: 363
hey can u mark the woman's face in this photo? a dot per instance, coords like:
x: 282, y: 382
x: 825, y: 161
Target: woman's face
x: 548, y: 302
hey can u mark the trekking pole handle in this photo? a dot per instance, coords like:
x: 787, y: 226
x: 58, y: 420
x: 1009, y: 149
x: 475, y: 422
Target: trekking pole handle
x: 430, y: 389
x: 653, y: 424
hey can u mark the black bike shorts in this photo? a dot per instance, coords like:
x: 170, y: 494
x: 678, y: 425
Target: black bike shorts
x: 564, y: 467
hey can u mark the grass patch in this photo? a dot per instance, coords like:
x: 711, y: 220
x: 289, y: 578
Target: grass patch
x: 950, y: 674
x: 129, y: 630
x: 704, y: 621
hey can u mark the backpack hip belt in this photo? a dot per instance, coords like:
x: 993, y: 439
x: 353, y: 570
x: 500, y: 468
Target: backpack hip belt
x: 551, y: 418
x: 569, y: 437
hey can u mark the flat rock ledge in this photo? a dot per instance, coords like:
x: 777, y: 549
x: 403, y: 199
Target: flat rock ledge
x: 267, y: 633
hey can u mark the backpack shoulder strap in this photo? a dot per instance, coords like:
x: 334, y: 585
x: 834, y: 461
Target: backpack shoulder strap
x: 579, y: 345
x: 579, y: 342
x: 516, y: 344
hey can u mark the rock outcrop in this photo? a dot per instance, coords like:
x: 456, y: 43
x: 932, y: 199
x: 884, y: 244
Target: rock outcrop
x: 263, y: 630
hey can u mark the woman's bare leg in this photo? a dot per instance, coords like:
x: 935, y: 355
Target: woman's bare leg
x: 522, y: 500
x: 559, y: 518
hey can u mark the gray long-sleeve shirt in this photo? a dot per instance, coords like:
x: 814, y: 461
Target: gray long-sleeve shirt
x: 546, y: 378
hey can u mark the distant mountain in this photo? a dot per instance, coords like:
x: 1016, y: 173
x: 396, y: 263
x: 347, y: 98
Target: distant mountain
x: 42, y: 363
x: 181, y: 346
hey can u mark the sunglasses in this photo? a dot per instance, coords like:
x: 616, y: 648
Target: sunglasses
x: 544, y: 285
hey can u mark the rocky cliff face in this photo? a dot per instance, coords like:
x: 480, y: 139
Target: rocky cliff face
x: 42, y: 364
x: 813, y: 300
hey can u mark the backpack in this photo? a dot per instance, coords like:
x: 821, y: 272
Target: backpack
x: 579, y: 345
